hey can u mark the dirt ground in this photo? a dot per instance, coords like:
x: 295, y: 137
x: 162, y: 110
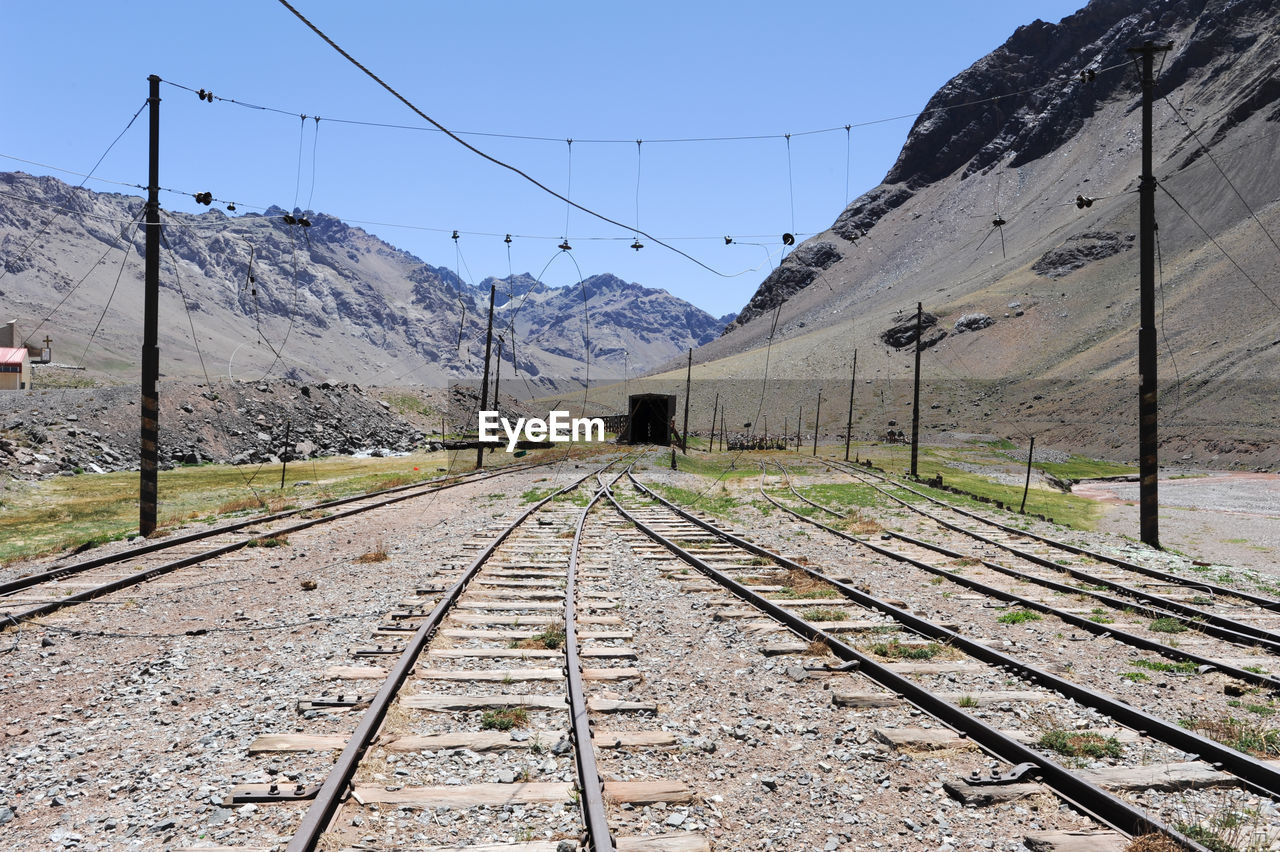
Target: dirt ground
x: 1229, y: 518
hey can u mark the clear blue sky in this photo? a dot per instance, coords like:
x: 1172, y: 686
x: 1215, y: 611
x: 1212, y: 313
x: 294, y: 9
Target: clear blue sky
x: 75, y: 72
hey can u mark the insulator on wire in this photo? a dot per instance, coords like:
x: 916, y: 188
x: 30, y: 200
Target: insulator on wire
x: 998, y: 222
x: 728, y: 241
x: 564, y: 246
x: 304, y: 221
x: 231, y: 206
x: 788, y: 239
x: 289, y: 220
x: 204, y: 198
x: 508, y: 239
x: 1083, y: 201
x: 455, y: 236
x: 637, y: 245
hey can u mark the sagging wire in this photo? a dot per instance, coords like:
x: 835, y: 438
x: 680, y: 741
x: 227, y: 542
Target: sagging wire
x: 637, y: 245
x: 482, y: 154
x: 1168, y: 346
x: 297, y: 183
x: 568, y: 192
x: 124, y: 261
x: 4, y: 269
x: 123, y: 237
x: 1218, y: 245
x: 315, y: 144
x: 195, y: 340
x: 1205, y: 150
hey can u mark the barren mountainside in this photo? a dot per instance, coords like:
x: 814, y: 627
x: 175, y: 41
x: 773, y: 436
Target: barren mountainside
x: 1051, y: 116
x: 328, y: 301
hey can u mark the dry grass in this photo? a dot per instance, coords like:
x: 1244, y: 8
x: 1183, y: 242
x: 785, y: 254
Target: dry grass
x: 551, y: 638
x: 378, y: 554
x: 816, y: 648
x: 803, y: 586
x: 1153, y: 843
x: 504, y: 719
x: 385, y: 482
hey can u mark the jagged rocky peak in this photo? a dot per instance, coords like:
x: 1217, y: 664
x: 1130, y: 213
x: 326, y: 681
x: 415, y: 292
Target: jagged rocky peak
x: 796, y: 271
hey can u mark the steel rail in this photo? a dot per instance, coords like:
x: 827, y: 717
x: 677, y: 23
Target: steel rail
x: 1100, y: 630
x: 1089, y: 798
x: 1259, y: 600
x: 1254, y: 773
x: 13, y: 619
x: 60, y: 572
x: 592, y: 800
x: 1184, y: 612
x: 325, y: 805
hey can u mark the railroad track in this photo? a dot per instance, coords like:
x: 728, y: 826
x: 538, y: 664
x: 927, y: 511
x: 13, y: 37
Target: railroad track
x: 61, y: 586
x: 1152, y: 752
x: 509, y: 661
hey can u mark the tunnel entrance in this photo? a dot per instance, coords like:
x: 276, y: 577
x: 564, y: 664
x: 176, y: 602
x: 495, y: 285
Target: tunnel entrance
x: 649, y: 418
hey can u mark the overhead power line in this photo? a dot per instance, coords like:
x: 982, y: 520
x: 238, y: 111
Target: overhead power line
x: 480, y: 153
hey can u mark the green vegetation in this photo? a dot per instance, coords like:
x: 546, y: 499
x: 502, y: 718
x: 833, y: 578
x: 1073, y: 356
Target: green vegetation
x: 1080, y: 467
x: 1165, y: 666
x: 90, y: 509
x: 1018, y: 616
x: 967, y: 701
x: 1136, y: 677
x: 504, y: 719
x: 1167, y: 625
x: 842, y: 497
x: 1100, y: 615
x: 407, y: 403
x: 1066, y: 509
x: 716, y: 501
x: 533, y: 495
x: 895, y: 650
x: 817, y: 614
x: 551, y: 638
x: 1251, y: 737
x: 1081, y: 744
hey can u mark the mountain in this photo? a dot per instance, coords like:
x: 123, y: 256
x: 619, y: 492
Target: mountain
x: 1034, y: 296
x: 323, y: 301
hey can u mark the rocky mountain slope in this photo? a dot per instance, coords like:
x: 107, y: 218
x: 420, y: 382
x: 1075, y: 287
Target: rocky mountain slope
x: 325, y: 301
x: 1051, y: 116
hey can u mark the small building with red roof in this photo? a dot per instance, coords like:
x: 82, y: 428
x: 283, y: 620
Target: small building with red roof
x: 15, y: 368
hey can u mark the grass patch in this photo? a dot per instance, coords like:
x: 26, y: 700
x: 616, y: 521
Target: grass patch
x: 504, y: 719
x: 1135, y: 677
x: 1100, y: 615
x: 378, y: 554
x: 533, y: 495
x: 817, y: 614
x: 1246, y: 735
x: 895, y: 650
x: 1165, y: 666
x: 1081, y: 744
x: 1167, y: 625
x: 270, y: 541
x: 798, y: 584
x: 1018, y: 616
x: 67, y: 512
x: 1080, y: 467
x: 716, y: 501
x: 551, y: 638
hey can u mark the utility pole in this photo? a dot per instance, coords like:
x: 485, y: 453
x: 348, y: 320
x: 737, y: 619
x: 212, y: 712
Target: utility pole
x: 688, y: 382
x: 715, y: 408
x: 915, y: 405
x: 799, y: 418
x: 722, y: 430
x: 284, y: 451
x: 1148, y: 462
x: 817, y: 415
x: 1027, y: 486
x: 484, y: 384
x: 149, y: 463
x: 497, y: 376
x: 848, y: 429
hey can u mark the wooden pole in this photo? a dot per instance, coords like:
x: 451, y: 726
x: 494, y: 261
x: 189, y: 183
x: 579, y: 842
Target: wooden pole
x: 848, y: 429
x: 688, y: 383
x: 715, y: 408
x: 149, y: 435
x: 817, y: 415
x: 484, y: 384
x: 1027, y: 486
x: 915, y: 405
